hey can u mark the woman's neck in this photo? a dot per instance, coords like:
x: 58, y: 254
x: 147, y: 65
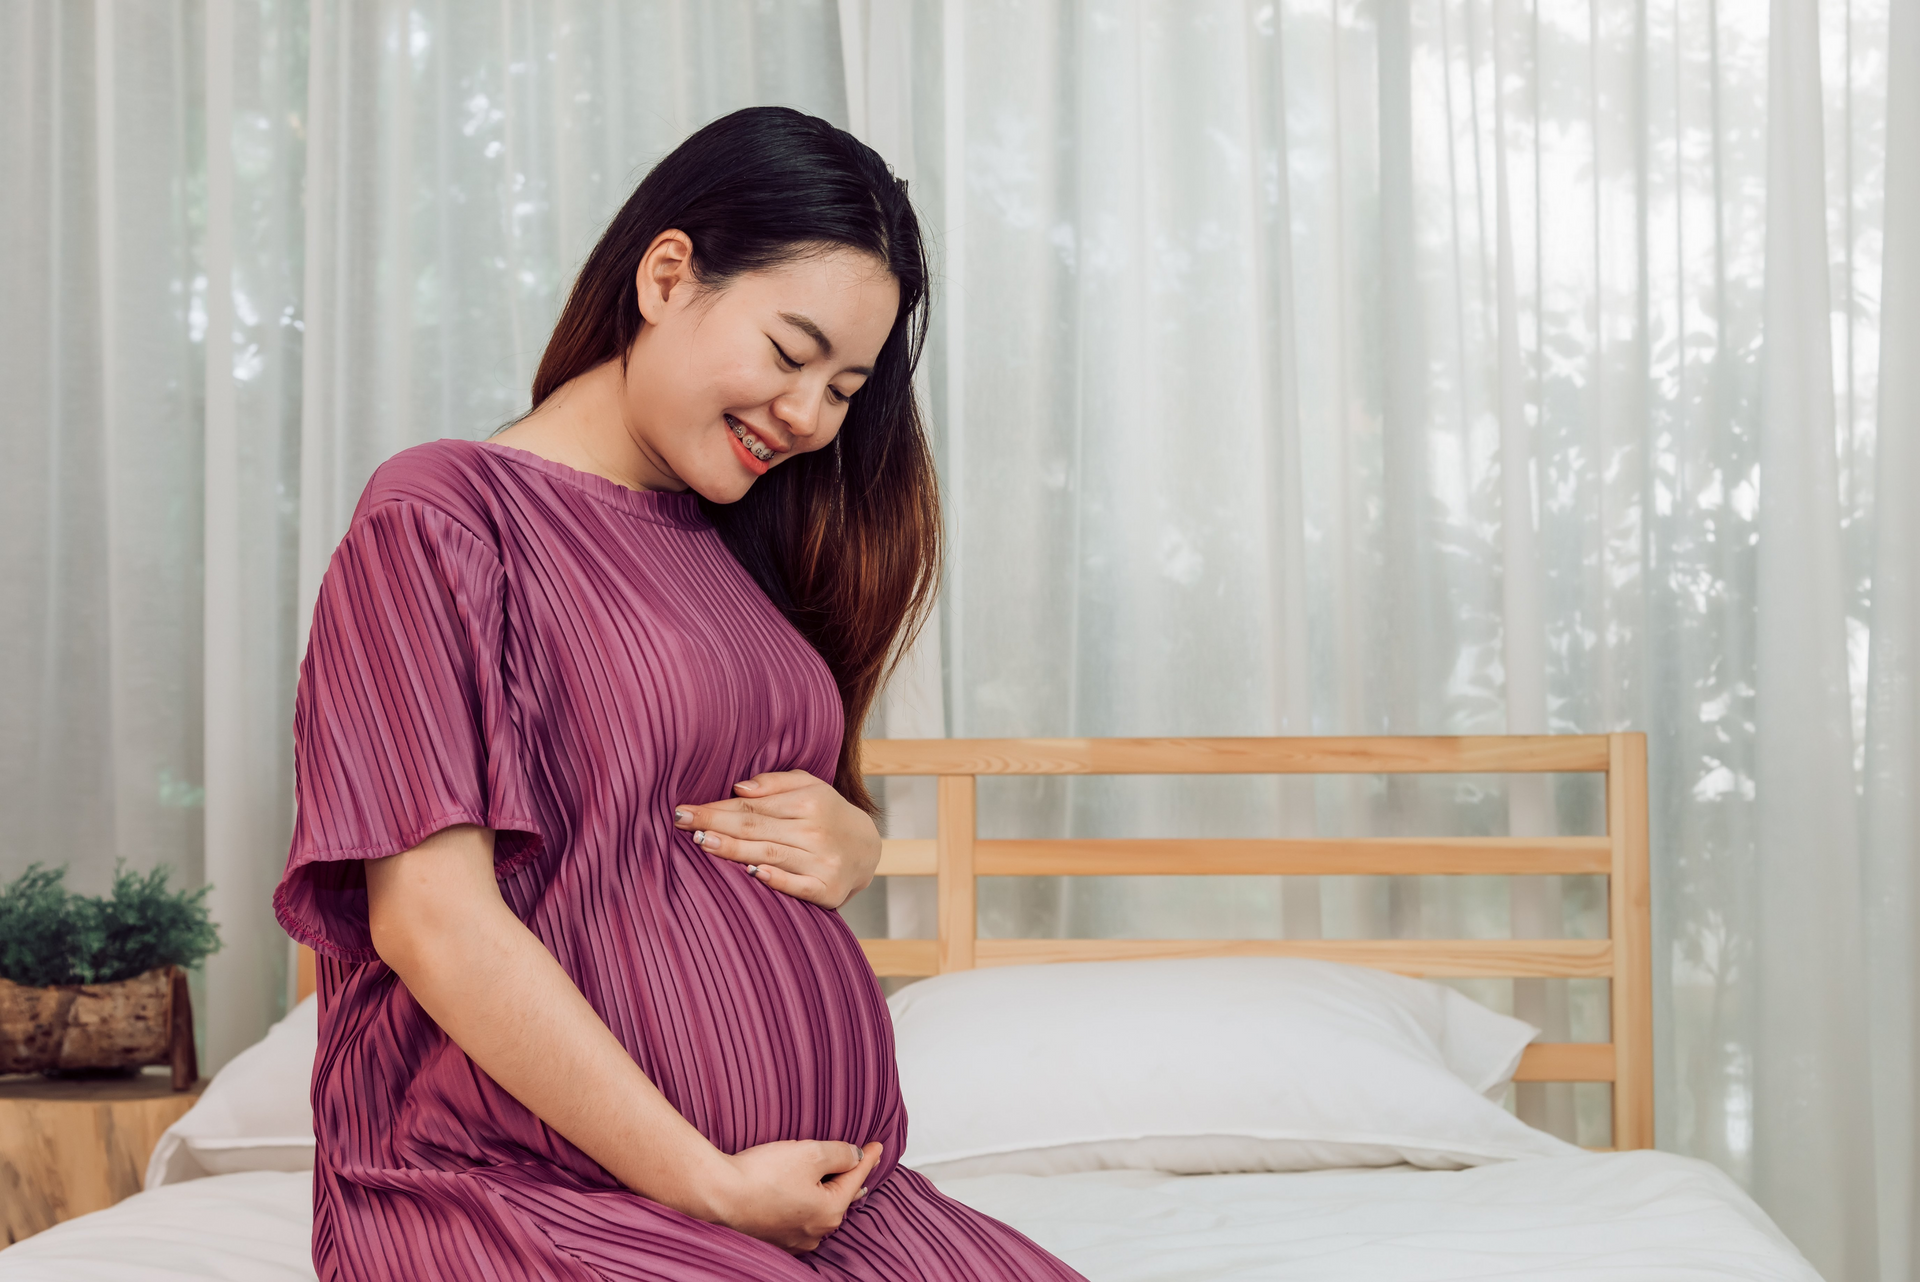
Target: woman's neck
x: 585, y: 426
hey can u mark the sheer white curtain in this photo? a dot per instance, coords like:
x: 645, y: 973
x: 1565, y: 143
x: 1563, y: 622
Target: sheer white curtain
x: 1412, y: 366
x: 1464, y: 366
x: 149, y: 349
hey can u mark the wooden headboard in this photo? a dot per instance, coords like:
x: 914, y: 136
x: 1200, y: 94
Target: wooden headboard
x: 957, y: 856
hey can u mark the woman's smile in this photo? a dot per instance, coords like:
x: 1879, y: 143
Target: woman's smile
x: 755, y: 453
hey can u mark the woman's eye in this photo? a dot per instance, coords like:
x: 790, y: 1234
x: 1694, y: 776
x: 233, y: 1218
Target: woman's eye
x: 837, y: 396
x: 785, y: 359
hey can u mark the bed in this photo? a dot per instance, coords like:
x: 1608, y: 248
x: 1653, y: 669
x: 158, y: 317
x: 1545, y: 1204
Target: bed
x: 1626, y: 1212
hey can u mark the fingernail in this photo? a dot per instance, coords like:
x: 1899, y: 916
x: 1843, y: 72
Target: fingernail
x: 862, y: 1192
x: 699, y: 837
x: 753, y: 870
x: 682, y: 817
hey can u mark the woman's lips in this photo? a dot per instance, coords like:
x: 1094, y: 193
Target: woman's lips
x: 747, y: 460
x: 756, y: 455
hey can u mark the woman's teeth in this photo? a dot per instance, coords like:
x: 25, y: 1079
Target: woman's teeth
x: 752, y: 442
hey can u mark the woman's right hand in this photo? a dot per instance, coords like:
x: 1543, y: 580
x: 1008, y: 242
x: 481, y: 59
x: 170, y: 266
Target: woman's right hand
x: 793, y: 1193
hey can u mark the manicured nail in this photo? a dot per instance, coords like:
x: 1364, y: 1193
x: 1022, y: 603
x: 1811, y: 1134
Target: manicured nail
x: 862, y: 1193
x: 746, y: 783
x: 753, y: 870
x: 699, y: 837
x: 682, y: 817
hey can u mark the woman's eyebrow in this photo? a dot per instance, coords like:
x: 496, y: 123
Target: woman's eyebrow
x: 806, y: 326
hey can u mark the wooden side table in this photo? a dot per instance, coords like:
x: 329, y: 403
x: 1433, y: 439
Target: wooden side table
x: 72, y: 1146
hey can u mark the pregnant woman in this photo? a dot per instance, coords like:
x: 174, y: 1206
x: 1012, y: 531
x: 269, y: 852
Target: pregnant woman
x: 577, y: 775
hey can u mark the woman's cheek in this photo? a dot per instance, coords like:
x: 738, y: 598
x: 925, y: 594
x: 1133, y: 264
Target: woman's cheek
x: 743, y: 385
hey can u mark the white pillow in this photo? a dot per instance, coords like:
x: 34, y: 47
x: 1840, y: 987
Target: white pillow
x: 1201, y: 1066
x: 255, y: 1115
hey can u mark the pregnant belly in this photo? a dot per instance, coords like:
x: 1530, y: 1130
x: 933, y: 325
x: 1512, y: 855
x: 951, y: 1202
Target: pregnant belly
x: 759, y: 1018
x: 756, y: 1015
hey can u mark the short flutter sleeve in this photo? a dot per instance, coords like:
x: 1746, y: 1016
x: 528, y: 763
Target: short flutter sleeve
x: 402, y: 725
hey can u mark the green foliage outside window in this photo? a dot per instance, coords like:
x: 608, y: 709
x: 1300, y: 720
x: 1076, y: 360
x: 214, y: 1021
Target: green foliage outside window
x: 49, y: 935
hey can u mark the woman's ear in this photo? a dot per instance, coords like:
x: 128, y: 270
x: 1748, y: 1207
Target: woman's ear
x: 666, y: 268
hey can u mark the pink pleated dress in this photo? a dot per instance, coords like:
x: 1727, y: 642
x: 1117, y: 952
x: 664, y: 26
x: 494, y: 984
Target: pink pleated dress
x: 502, y: 640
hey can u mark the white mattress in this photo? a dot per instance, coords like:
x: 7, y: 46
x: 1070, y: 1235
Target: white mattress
x: 1642, y: 1216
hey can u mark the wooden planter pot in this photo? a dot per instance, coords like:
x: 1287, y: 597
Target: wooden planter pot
x: 140, y: 1021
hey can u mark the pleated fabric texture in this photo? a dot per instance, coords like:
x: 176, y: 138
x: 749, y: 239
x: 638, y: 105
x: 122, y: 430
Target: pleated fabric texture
x: 505, y: 641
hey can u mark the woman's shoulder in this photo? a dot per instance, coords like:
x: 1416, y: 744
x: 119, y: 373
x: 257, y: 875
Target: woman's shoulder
x: 450, y: 477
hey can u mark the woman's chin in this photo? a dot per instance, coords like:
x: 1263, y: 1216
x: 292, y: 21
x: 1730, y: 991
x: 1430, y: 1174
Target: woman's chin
x: 729, y: 486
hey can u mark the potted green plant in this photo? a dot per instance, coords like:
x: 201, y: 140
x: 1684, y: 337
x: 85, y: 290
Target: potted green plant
x: 92, y: 983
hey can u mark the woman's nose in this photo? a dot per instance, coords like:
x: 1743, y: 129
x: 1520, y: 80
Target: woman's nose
x: 799, y: 412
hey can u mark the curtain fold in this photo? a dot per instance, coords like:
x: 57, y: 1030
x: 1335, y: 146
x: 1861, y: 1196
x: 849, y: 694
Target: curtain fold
x: 1812, y: 1088
x: 1891, y: 850
x: 254, y: 103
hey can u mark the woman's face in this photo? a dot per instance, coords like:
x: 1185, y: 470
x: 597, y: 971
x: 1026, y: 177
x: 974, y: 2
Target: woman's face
x: 724, y: 385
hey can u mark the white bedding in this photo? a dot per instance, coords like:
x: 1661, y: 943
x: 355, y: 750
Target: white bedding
x: 252, y: 1227
x: 1594, y: 1217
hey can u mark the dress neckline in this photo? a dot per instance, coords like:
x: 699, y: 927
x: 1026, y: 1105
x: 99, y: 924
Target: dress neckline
x: 666, y: 507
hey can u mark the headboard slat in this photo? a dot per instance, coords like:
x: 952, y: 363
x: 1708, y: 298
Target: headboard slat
x: 1630, y: 922
x: 1429, y: 958
x: 1462, y: 754
x: 1290, y: 857
x: 953, y: 851
x: 1567, y: 1062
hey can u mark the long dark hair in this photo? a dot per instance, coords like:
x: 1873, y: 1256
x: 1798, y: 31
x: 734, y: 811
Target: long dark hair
x: 845, y: 540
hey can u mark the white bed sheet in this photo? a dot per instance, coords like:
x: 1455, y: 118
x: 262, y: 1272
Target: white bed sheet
x: 252, y: 1227
x: 1593, y: 1217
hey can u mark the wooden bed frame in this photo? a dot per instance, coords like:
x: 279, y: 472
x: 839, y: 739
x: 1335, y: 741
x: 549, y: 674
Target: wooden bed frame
x: 957, y: 856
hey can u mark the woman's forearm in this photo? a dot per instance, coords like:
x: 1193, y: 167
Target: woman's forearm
x: 439, y: 922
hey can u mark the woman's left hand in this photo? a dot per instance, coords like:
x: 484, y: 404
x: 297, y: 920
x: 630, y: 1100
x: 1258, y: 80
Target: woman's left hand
x: 794, y: 832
